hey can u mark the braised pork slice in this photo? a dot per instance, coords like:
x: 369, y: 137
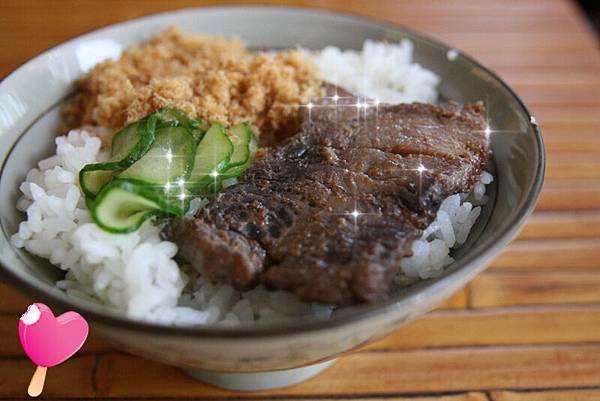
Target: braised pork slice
x: 330, y: 212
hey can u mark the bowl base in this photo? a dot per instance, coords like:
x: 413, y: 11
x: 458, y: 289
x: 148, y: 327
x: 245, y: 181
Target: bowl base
x: 256, y: 381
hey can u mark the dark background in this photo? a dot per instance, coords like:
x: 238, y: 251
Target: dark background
x: 592, y: 10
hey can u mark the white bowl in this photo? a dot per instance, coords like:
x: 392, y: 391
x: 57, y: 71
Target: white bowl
x: 30, y: 99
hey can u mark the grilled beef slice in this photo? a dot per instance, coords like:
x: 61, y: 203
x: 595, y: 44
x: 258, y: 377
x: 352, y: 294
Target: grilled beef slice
x: 290, y: 222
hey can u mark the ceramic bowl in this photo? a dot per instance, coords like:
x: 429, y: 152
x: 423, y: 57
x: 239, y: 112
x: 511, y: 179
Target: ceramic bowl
x: 270, y: 356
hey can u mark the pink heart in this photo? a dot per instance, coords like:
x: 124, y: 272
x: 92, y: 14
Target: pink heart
x: 49, y: 340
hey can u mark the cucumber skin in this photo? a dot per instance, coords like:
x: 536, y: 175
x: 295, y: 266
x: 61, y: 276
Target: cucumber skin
x: 185, y: 173
x: 150, y: 191
x: 139, y: 188
x: 197, y: 186
x: 237, y: 170
x: 89, y: 202
x: 146, y: 133
x: 173, y: 117
x: 248, y: 135
x: 111, y: 166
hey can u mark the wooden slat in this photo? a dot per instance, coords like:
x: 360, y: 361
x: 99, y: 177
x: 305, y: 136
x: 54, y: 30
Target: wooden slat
x: 12, y: 301
x: 571, y: 139
x: 462, y: 8
x: 567, y: 224
x: 550, y: 75
x: 96, y: 14
x: 534, y: 288
x: 550, y: 254
x: 441, y: 26
x: 472, y: 396
x: 119, y: 375
x: 551, y: 395
x: 534, y: 57
x: 500, y: 326
x: 457, y: 301
x: 382, y: 373
x: 520, y: 40
x: 569, y: 195
x: 517, y: 40
x: 552, y: 93
x: 72, y: 379
x: 248, y: 396
x: 569, y: 166
x: 566, y: 114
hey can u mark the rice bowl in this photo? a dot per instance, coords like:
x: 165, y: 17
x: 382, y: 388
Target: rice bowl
x: 517, y: 179
x: 136, y: 273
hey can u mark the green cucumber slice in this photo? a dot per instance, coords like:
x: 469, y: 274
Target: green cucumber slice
x: 213, y: 154
x: 169, y: 160
x: 238, y: 170
x: 240, y: 136
x: 133, y: 141
x: 128, y: 145
x: 122, y: 206
x: 92, y: 177
x: 178, y: 118
x: 89, y: 202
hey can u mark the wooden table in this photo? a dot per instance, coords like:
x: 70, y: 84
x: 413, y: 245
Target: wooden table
x: 527, y: 329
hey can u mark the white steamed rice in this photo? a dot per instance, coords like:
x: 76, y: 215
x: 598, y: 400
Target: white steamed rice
x: 381, y: 71
x: 136, y: 273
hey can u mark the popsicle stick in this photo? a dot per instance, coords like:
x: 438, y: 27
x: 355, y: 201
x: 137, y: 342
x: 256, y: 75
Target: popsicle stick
x: 36, y: 385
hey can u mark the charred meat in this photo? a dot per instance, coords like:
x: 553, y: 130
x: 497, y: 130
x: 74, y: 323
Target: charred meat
x: 331, y: 211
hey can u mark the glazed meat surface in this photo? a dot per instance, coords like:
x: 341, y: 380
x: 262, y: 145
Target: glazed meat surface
x: 330, y: 212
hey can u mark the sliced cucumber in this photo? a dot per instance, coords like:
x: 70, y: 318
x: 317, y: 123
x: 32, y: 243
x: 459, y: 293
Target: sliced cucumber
x: 213, y: 154
x: 93, y: 177
x: 122, y: 206
x: 244, y: 149
x: 89, y: 202
x: 169, y: 160
x: 159, y: 164
x: 133, y: 141
x: 237, y: 170
x: 240, y: 136
x: 128, y: 145
x: 178, y: 118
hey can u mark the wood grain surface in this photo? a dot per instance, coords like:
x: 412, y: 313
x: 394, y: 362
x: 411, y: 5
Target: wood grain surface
x: 528, y: 329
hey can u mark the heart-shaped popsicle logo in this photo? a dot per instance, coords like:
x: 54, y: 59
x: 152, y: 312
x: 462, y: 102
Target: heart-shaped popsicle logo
x: 48, y: 340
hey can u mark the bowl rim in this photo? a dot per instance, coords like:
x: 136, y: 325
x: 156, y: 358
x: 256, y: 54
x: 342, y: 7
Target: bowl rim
x: 489, y: 248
